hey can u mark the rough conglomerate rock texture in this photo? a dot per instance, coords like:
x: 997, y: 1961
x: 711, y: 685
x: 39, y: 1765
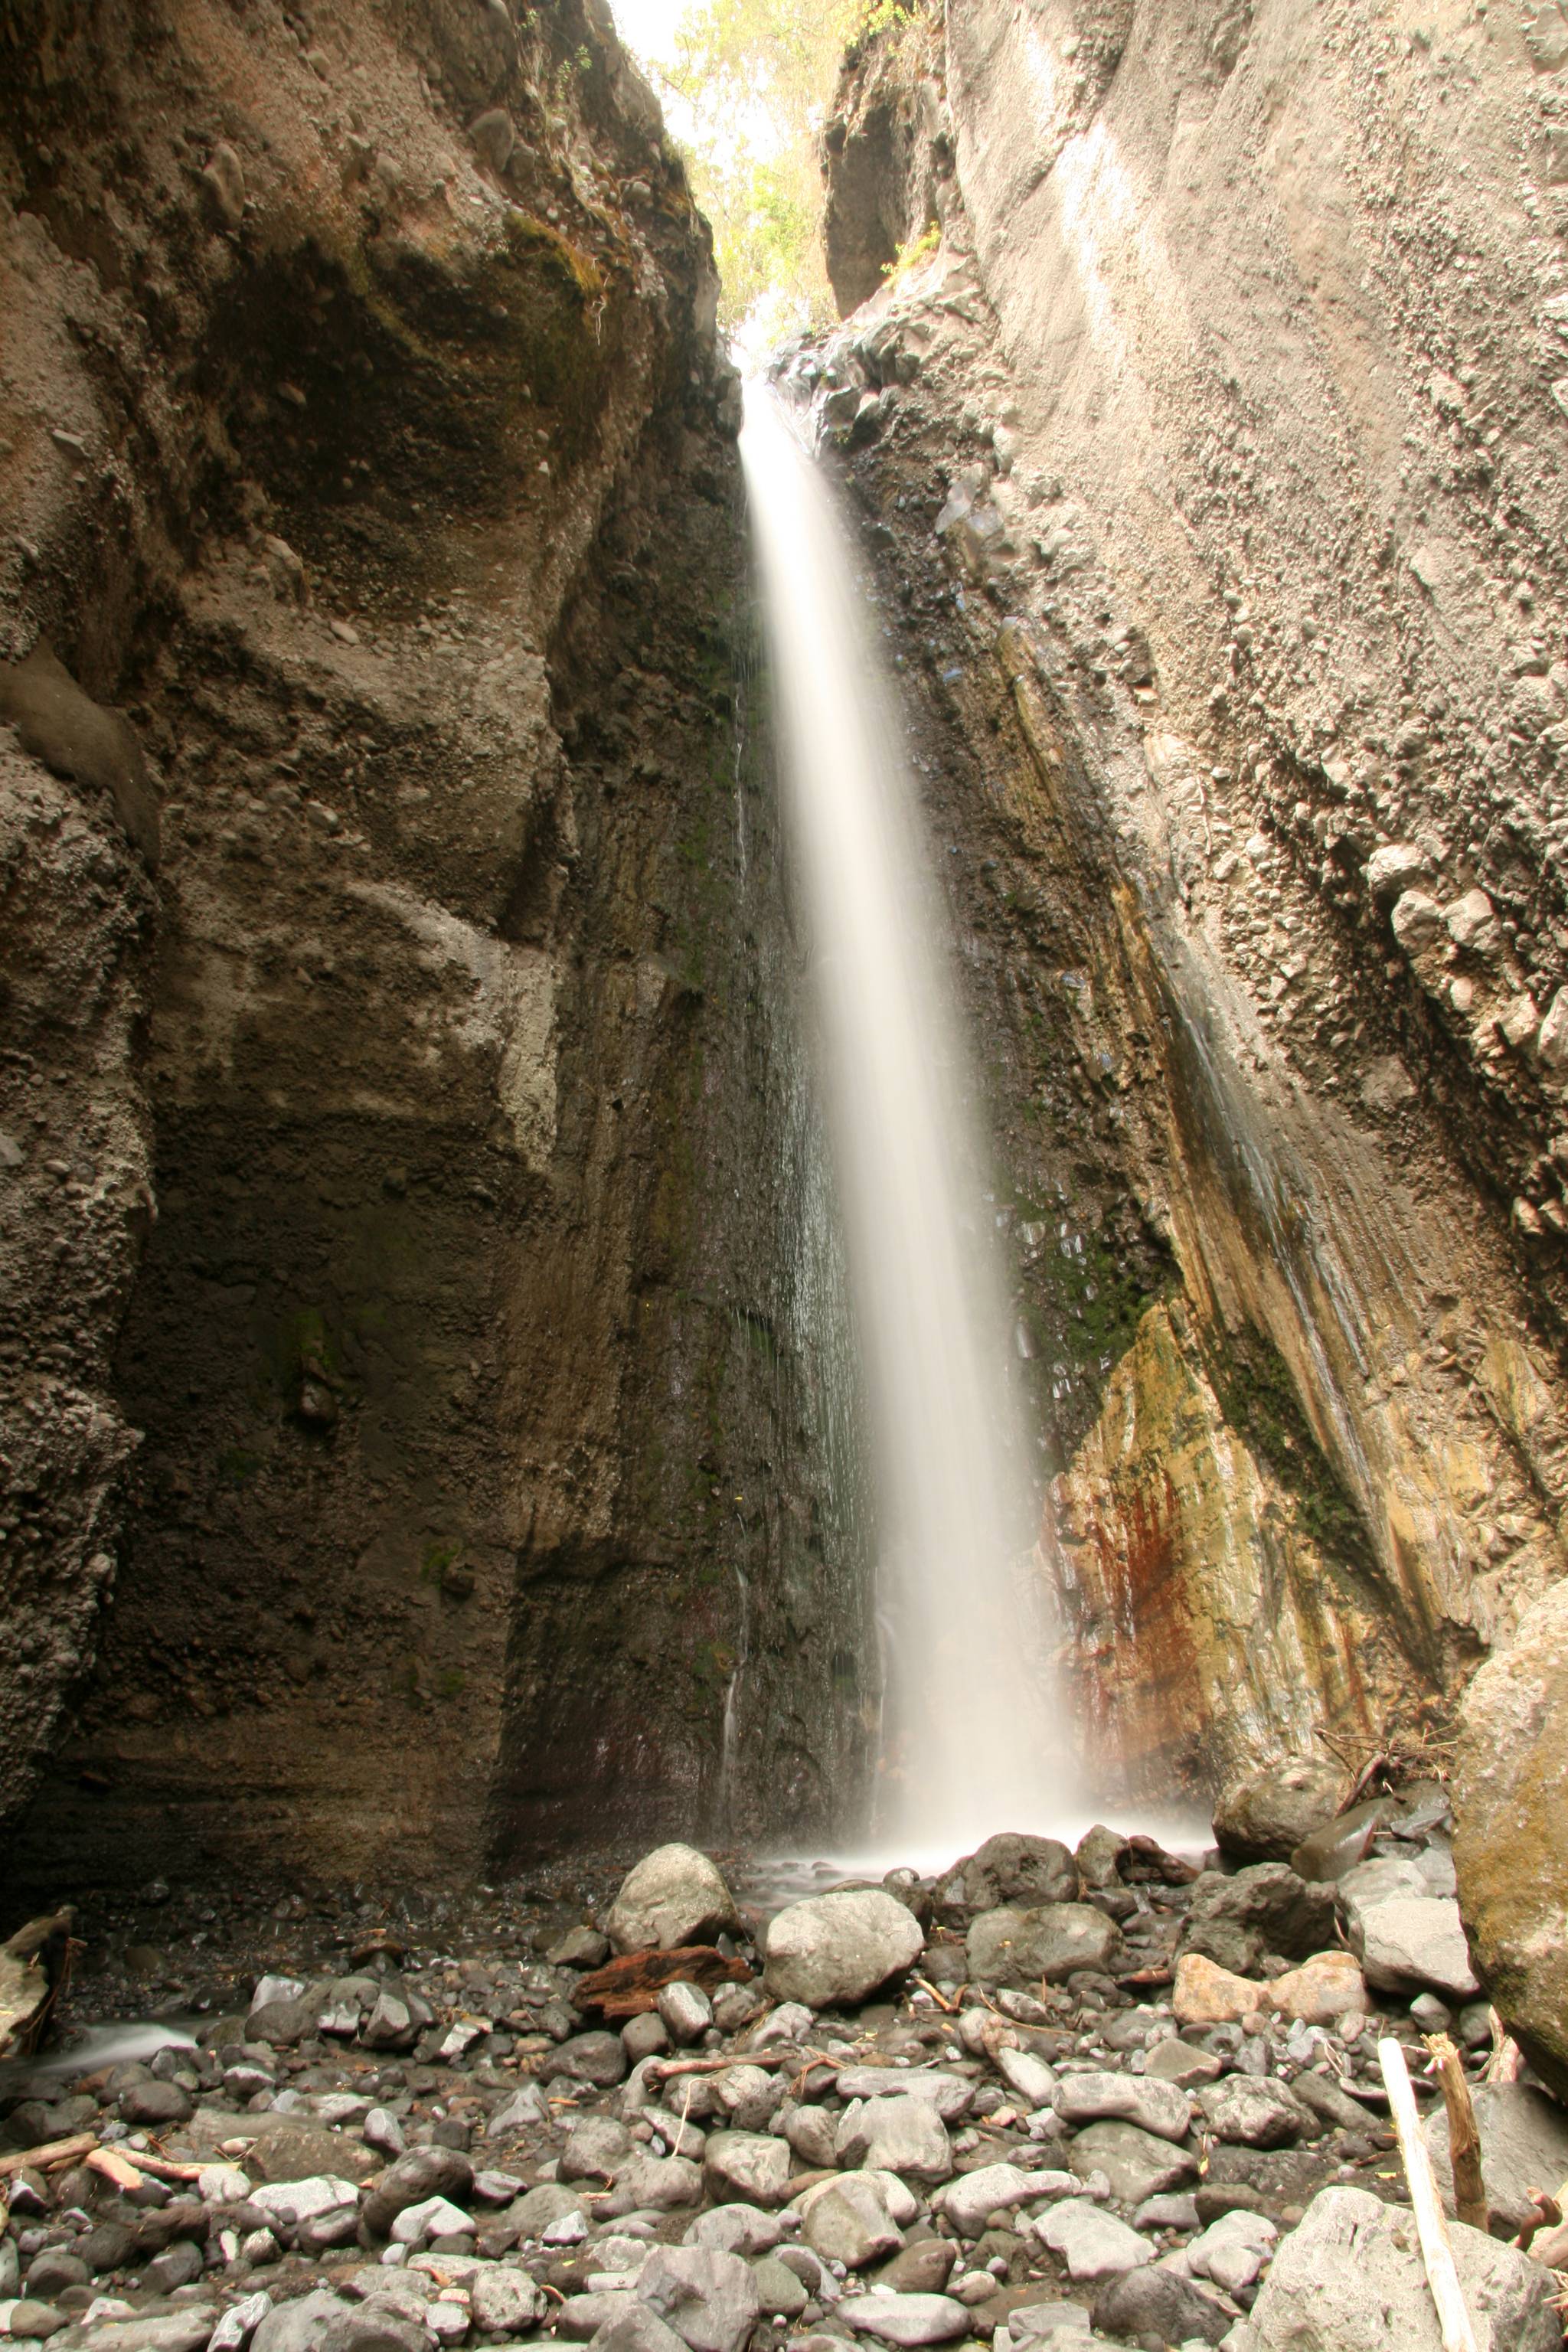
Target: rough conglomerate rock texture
x: 1212, y: 480
x: 398, y: 1234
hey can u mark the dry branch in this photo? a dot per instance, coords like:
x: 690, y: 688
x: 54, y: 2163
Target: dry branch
x: 1431, y: 2227
x: 1463, y: 2140
x: 630, y: 1986
x: 53, y: 2152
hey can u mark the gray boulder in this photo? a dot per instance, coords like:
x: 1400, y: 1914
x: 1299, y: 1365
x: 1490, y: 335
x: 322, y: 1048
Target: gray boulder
x: 833, y: 1950
x: 170, y: 2331
x: 533, y: 2213
x: 658, y: 2184
x: 1265, y: 1815
x: 1153, y: 2305
x: 504, y: 2298
x: 634, y: 2327
x: 1136, y: 2163
x: 735, y: 2229
x: 848, y: 2223
x: 1351, y: 2276
x: 898, y: 2135
x: 709, y: 2297
x: 1525, y: 2146
x: 300, y: 2326
x: 990, y: 2188
x: 1053, y: 1941
x: 751, y: 2165
x: 1007, y: 1869
x: 1100, y: 1855
x: 906, y: 2320
x: 950, y: 2095
x: 1415, y: 1941
x: 1250, y: 2114
x: 423, y: 2173
x: 1237, y: 1921
x: 1141, y: 2099
x: 1093, y: 2244
x: 673, y: 1896
x: 596, y: 2147
x: 372, y: 2328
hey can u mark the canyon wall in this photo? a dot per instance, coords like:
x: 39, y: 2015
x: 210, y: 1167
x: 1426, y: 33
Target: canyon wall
x: 407, y: 1435
x: 1208, y: 448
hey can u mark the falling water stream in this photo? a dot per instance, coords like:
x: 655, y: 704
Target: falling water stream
x: 972, y: 1737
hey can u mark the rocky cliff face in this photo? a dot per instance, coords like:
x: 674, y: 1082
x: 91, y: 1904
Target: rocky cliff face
x: 1211, y: 475
x: 402, y: 1272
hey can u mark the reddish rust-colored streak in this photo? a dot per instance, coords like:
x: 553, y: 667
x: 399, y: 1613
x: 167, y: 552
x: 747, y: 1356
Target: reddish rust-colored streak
x: 1143, y: 1657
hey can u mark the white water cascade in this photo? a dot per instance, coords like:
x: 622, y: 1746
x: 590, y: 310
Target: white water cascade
x: 974, y: 1740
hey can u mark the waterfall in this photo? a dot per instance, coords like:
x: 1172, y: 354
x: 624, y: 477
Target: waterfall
x: 973, y: 1739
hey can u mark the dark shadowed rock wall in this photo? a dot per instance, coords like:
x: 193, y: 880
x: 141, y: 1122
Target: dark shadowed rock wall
x: 408, y: 1438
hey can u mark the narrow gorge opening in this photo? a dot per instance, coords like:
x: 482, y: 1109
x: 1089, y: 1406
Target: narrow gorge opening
x: 746, y: 1161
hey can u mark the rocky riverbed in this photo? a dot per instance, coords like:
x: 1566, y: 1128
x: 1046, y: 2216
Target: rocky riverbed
x: 1049, y: 2099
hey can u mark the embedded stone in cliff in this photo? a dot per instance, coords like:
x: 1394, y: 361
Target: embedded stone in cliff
x: 1471, y: 923
x: 837, y: 1948
x: 1511, y: 1799
x: 76, y: 737
x: 1398, y: 866
x: 1416, y: 920
x: 1265, y: 1816
x: 1551, y: 1042
x: 224, y: 180
x: 674, y: 1896
x: 493, y: 136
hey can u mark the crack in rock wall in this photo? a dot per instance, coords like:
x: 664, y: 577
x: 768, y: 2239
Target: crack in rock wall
x: 1211, y: 481
x: 393, y: 1183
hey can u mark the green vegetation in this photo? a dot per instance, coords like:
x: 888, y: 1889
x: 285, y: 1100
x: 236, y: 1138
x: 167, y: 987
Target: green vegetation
x: 748, y: 85
x: 1259, y: 1399
x: 910, y: 257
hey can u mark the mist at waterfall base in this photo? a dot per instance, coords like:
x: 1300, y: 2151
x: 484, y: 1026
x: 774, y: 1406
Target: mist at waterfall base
x: 974, y: 1737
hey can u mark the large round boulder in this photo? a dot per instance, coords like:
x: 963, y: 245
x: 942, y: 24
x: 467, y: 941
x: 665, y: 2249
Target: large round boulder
x: 1350, y: 2275
x: 1511, y: 1801
x: 833, y: 1950
x: 673, y: 1896
x: 1265, y: 1815
x: 1048, y: 1940
x: 1009, y: 1868
x: 1265, y: 1909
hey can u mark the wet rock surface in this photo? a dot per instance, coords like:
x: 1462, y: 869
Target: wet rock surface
x: 447, y: 2143
x: 1238, y: 783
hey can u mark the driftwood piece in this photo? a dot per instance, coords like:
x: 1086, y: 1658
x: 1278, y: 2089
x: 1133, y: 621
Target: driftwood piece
x: 1431, y: 2225
x: 53, y: 2152
x: 1463, y: 2140
x: 949, y: 2008
x: 83, y: 2147
x: 35, y: 1964
x: 1503, y: 2065
x: 1547, y: 2215
x: 630, y: 1986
